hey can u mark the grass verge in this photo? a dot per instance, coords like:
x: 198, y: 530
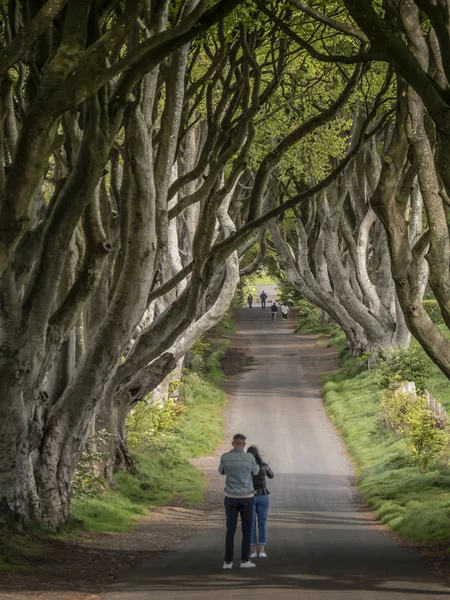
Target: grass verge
x: 413, y: 502
x: 165, y: 473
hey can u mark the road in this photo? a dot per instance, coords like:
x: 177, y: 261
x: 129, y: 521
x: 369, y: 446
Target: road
x: 320, y: 545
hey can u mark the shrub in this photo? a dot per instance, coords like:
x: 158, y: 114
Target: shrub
x: 198, y: 353
x: 424, y: 438
x: 433, y: 310
x: 147, y: 420
x: 395, y: 407
x: 408, y: 415
x: 86, y: 484
x: 308, y: 315
x: 405, y: 365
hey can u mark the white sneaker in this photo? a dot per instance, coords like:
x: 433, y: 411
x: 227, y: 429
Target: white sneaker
x: 227, y: 565
x: 247, y: 565
x: 262, y: 555
x: 253, y: 555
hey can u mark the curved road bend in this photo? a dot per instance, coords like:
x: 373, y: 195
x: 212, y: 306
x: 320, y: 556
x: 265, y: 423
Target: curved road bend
x: 320, y: 547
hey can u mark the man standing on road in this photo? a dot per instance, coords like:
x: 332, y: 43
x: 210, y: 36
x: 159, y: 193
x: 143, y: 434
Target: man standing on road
x: 274, y: 310
x: 263, y: 299
x: 238, y: 467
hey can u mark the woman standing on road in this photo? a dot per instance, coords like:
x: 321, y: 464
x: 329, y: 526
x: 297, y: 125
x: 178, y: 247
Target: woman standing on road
x: 260, y: 505
x: 250, y: 301
x: 284, y: 310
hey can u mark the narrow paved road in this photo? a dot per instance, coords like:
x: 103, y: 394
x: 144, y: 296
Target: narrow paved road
x: 320, y: 546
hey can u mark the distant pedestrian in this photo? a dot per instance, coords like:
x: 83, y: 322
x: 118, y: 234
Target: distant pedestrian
x: 260, y: 505
x: 274, y: 310
x: 238, y: 468
x: 284, y: 311
x: 263, y: 297
x: 250, y: 301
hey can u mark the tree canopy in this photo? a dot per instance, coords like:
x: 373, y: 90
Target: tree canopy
x: 146, y: 146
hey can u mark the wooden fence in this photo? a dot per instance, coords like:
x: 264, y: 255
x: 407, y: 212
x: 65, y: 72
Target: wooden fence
x: 436, y: 407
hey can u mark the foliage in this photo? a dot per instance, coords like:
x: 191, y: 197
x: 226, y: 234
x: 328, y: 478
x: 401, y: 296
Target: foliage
x: 288, y: 293
x: 433, y: 310
x: 403, y: 364
x: 310, y: 319
x: 164, y: 471
x: 396, y: 405
x: 86, y: 483
x: 213, y: 361
x: 227, y: 325
x: 147, y: 420
x: 427, y: 442
x: 198, y: 353
x: 407, y: 414
x: 238, y: 298
x: 411, y: 500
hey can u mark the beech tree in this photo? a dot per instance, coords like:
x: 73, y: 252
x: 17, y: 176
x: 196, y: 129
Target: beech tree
x: 132, y: 182
x: 413, y: 38
x: 83, y: 220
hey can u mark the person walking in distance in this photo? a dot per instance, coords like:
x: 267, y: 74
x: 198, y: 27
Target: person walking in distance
x: 274, y: 310
x: 263, y: 297
x: 284, y: 311
x: 260, y: 505
x: 250, y: 301
x: 238, y: 467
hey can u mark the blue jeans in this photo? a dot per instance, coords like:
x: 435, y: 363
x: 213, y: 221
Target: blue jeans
x: 260, y: 513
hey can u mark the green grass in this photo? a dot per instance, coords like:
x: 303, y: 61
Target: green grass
x: 227, y: 325
x: 15, y: 550
x: 213, y: 361
x: 9, y: 565
x: 164, y: 471
x: 414, y: 503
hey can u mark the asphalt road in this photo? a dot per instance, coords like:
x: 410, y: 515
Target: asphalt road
x: 320, y: 545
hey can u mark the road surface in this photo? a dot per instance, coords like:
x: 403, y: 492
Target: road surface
x: 320, y: 546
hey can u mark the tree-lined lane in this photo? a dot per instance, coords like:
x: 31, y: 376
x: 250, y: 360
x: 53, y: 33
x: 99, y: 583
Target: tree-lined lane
x: 320, y: 546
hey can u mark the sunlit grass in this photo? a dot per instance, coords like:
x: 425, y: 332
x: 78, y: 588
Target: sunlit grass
x: 414, y: 503
x: 164, y: 470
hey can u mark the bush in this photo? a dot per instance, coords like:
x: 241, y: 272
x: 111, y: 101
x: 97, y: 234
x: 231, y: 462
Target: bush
x: 164, y: 472
x: 147, y: 420
x: 424, y: 438
x: 433, y: 310
x: 199, y: 351
x: 402, y: 364
x: 308, y: 315
x: 395, y: 407
x: 86, y: 484
x: 408, y: 415
x: 412, y: 500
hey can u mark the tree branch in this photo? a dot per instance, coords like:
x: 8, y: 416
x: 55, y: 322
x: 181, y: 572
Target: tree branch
x: 338, y: 25
x: 13, y: 52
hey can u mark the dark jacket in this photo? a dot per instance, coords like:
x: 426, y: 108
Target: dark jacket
x: 259, y: 480
x: 274, y: 308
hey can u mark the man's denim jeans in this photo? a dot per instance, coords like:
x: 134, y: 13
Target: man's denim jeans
x: 259, y: 523
x: 234, y: 507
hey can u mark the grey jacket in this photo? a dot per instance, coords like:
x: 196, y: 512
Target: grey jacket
x: 238, y: 467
